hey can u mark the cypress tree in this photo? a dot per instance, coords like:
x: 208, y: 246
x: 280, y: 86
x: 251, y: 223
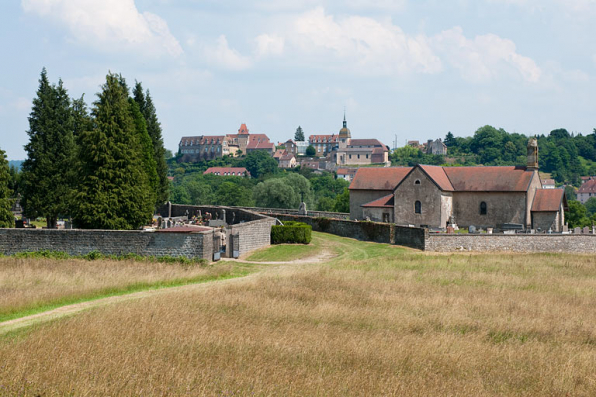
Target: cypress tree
x: 6, y: 216
x: 113, y: 190
x: 47, y: 175
x: 147, y: 149
x: 154, y: 130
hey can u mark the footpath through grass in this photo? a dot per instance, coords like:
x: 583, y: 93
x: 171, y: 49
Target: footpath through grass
x: 373, y: 320
x: 35, y: 285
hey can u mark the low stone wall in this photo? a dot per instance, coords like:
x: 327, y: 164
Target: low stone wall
x: 366, y: 231
x: 252, y: 230
x: 512, y: 243
x: 108, y: 242
x: 314, y: 214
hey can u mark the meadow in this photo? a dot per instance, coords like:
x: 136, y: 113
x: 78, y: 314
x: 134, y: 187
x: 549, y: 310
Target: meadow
x: 374, y: 320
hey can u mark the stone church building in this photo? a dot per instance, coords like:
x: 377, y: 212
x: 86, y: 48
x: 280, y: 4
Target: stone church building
x: 433, y: 196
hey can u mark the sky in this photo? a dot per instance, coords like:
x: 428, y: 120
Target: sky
x: 401, y: 69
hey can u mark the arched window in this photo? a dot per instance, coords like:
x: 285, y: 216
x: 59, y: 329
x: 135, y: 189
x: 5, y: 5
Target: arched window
x: 483, y: 208
x: 417, y: 182
x: 418, y: 207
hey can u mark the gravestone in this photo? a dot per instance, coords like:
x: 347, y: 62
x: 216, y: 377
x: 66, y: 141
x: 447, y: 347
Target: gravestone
x: 565, y: 228
x: 577, y: 230
x: 472, y: 229
x: 450, y: 230
x: 586, y: 230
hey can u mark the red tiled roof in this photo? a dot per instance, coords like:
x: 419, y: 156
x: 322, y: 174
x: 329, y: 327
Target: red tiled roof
x: 279, y: 153
x: 438, y: 175
x: 548, y: 200
x: 347, y: 171
x: 548, y: 181
x: 588, y: 187
x: 323, y: 138
x: 489, y: 179
x: 379, y: 178
x: 260, y: 145
x: 185, y: 229
x: 287, y: 157
x: 243, y: 130
x: 232, y: 171
x: 366, y: 142
x: 383, y: 202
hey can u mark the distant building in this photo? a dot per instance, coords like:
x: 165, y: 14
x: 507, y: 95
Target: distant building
x: 586, y: 191
x: 209, y: 147
x: 436, y: 147
x: 288, y: 160
x: 548, y: 184
x: 323, y: 144
x: 298, y: 148
x: 432, y: 196
x: 346, y: 174
x: 227, y: 171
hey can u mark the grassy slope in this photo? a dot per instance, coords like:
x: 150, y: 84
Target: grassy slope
x: 31, y: 286
x: 376, y: 320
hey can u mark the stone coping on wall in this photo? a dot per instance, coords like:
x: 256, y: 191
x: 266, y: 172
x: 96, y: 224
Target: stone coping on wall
x: 561, y: 243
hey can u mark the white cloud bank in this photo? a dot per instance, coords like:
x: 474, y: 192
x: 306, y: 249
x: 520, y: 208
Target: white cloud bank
x: 369, y: 46
x: 109, y: 24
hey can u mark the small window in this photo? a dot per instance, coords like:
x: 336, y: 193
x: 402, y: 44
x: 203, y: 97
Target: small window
x: 483, y: 208
x: 417, y: 182
x: 418, y: 207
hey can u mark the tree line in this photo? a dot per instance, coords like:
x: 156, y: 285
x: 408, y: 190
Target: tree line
x: 565, y: 156
x: 105, y: 168
x: 267, y: 187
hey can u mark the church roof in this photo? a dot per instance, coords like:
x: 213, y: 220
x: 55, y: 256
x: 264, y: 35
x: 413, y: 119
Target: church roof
x: 383, y: 202
x: 548, y: 200
x: 237, y: 171
x: 378, y: 178
x: 366, y: 142
x: 438, y: 175
x: 489, y: 179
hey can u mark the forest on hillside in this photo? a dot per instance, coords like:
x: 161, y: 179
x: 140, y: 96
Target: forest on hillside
x: 565, y: 156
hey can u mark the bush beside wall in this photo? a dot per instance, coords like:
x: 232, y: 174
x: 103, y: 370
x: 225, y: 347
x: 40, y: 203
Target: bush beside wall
x: 291, y: 233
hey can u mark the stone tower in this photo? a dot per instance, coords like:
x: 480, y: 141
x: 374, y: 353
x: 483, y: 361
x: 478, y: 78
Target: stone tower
x: 532, y: 154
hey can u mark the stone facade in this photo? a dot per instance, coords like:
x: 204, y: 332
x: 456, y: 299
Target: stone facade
x: 108, y: 242
x: 361, y: 197
x: 548, y: 220
x: 512, y: 243
x: 434, y: 204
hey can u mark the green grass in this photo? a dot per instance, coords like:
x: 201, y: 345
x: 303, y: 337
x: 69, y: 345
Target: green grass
x: 289, y: 252
x: 239, y: 269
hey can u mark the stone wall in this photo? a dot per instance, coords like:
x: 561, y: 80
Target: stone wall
x: 251, y: 229
x: 429, y: 195
x: 366, y: 231
x: 361, y: 197
x: 108, y: 242
x: 512, y: 243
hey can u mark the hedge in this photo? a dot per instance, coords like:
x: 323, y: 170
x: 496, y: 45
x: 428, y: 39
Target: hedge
x: 291, y: 233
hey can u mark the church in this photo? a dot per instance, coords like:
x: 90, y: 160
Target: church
x: 434, y: 196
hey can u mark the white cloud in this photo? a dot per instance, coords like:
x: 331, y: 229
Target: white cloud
x: 569, y: 5
x: 269, y: 45
x: 109, y: 24
x: 484, y: 57
x: 360, y: 44
x: 222, y: 55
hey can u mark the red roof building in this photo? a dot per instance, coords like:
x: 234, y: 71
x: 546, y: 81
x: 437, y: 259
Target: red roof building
x: 586, y: 191
x: 227, y: 171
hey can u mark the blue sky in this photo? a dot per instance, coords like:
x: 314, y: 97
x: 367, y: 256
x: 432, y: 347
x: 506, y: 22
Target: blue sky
x: 415, y: 69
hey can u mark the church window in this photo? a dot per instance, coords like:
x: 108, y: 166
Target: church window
x: 358, y: 156
x: 483, y: 208
x: 418, y: 207
x: 417, y: 182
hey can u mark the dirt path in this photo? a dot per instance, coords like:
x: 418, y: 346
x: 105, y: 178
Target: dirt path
x: 68, y: 310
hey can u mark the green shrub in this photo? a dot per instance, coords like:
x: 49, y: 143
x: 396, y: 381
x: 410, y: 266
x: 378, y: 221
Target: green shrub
x: 291, y: 233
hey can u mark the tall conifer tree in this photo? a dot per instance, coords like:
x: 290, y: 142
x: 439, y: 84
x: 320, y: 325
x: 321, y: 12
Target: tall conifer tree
x: 154, y: 130
x: 47, y: 176
x: 6, y: 216
x: 113, y: 190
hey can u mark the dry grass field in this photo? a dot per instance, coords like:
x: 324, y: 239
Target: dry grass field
x: 28, y: 285
x: 377, y: 320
